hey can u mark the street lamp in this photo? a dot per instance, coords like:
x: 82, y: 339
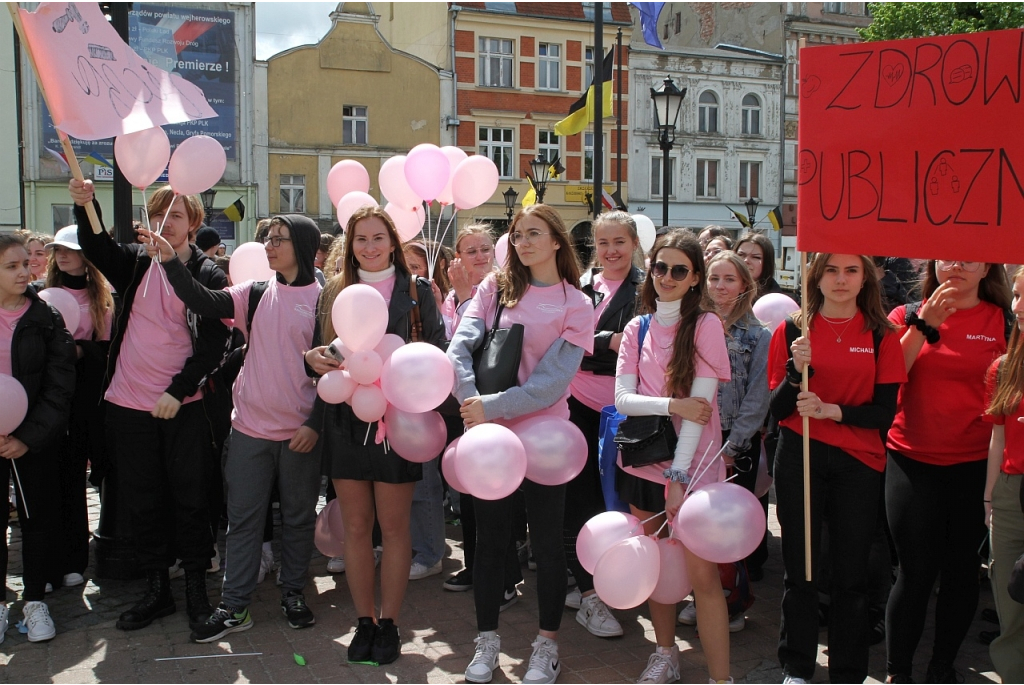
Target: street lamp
x: 510, y: 196
x: 668, y: 100
x: 751, y: 206
x: 208, y: 197
x: 541, y: 169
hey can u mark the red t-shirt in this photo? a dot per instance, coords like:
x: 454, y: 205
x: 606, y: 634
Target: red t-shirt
x: 939, y: 420
x: 1013, y: 452
x: 845, y: 373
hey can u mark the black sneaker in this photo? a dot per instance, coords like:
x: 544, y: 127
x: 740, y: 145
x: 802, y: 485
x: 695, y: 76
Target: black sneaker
x: 222, y: 622
x: 510, y: 597
x: 360, y: 650
x: 460, y: 582
x: 293, y: 604
x: 387, y: 646
x: 943, y: 673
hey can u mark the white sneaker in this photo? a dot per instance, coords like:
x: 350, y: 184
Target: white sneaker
x: 176, y: 571
x: 485, y: 660
x: 4, y: 613
x: 37, y: 620
x: 688, y: 616
x: 336, y: 565
x: 418, y: 570
x: 544, y: 666
x: 595, y: 617
x: 73, y: 579
x: 794, y: 680
x: 737, y: 623
x: 662, y: 666
x: 48, y: 589
x: 214, y: 562
x: 266, y: 562
x: 573, y: 598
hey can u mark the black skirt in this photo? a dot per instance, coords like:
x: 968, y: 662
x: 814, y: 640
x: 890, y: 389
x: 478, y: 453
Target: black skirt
x: 346, y: 457
x: 643, y: 494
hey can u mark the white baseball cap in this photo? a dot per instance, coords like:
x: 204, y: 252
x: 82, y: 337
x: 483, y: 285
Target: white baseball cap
x: 66, y: 237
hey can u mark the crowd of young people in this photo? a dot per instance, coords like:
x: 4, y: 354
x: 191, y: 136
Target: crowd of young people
x: 671, y: 333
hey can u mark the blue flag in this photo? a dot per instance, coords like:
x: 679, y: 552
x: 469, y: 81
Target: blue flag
x: 649, y: 12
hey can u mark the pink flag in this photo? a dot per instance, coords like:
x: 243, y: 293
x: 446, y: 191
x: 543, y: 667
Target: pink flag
x: 95, y: 85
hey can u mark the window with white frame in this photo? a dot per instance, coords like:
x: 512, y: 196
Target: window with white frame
x: 834, y: 7
x: 588, y: 58
x: 496, y: 145
x: 751, y: 115
x: 547, y: 145
x: 707, y: 112
x: 496, y: 62
x: 707, y: 178
x: 293, y: 194
x: 657, y: 171
x: 750, y: 180
x: 549, y: 66
x: 588, y: 156
x: 353, y: 127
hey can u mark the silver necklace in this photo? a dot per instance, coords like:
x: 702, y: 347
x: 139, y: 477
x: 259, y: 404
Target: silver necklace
x: 839, y: 335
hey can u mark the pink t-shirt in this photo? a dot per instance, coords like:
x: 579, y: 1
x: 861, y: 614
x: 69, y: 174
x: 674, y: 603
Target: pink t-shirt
x: 273, y: 395
x: 592, y: 390
x: 712, y: 361
x: 85, y: 327
x: 385, y: 288
x: 156, y: 345
x: 547, y: 314
x: 8, y: 322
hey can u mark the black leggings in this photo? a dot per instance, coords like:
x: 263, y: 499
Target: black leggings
x: 583, y: 496
x: 937, y: 519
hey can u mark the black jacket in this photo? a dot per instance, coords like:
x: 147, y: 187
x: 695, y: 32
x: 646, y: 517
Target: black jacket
x: 125, y: 265
x: 43, y: 360
x: 614, y: 319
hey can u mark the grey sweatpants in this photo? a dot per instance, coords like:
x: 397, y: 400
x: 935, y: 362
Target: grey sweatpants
x: 250, y: 470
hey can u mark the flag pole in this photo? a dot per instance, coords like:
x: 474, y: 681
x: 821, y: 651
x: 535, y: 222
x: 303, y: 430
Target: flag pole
x: 804, y: 326
x: 69, y: 150
x: 598, y: 105
x: 618, y: 118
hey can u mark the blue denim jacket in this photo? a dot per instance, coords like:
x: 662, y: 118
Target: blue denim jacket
x: 743, y: 401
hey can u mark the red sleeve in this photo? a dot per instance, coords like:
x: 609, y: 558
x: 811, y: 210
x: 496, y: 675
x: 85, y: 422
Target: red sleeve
x: 891, y: 367
x: 991, y: 376
x: 778, y: 355
x: 899, y: 316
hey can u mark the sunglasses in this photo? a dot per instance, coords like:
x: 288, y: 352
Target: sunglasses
x: 677, y: 272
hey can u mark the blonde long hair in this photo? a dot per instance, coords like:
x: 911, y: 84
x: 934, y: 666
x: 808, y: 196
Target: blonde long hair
x: 745, y: 302
x: 101, y: 301
x: 1010, y: 379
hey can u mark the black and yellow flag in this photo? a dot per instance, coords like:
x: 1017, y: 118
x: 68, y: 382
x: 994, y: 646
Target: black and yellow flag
x: 775, y: 217
x: 235, y: 211
x: 582, y: 111
x: 742, y: 218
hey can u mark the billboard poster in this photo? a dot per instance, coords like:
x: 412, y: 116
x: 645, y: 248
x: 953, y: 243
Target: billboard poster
x: 197, y: 44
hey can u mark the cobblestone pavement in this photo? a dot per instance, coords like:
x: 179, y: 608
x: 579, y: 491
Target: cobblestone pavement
x: 437, y: 629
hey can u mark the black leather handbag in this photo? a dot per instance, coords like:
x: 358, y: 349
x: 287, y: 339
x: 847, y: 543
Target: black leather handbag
x: 644, y: 440
x: 496, y: 361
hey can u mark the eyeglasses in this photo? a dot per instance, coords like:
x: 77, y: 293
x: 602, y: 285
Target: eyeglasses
x: 678, y: 272
x: 275, y: 241
x: 969, y: 267
x: 485, y: 251
x: 530, y: 237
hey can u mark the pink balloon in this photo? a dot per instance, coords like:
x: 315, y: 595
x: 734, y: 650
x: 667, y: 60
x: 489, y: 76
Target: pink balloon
x: 329, y: 534
x: 360, y: 317
x: 15, y: 404
x: 345, y: 177
x: 601, y: 532
x: 387, y: 345
x: 394, y: 186
x: 335, y: 387
x: 490, y: 461
x: 408, y: 222
x: 351, y: 203
x: 721, y: 522
x: 427, y: 171
x: 415, y: 437
x: 142, y: 156
x: 455, y: 156
x: 501, y: 251
x: 364, y: 366
x: 773, y: 309
x: 65, y: 303
x: 448, y: 468
x: 249, y: 263
x: 417, y: 377
x: 368, y: 403
x: 673, y: 581
x: 474, y: 181
x: 627, y: 573
x: 556, y: 450
x: 197, y: 164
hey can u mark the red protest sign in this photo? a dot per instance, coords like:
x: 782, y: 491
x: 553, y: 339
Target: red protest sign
x: 914, y: 148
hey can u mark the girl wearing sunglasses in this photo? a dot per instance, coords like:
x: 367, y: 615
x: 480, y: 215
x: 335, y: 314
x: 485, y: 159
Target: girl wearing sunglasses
x: 675, y: 372
x: 935, y: 477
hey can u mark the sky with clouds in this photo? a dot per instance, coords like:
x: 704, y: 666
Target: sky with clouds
x: 283, y: 25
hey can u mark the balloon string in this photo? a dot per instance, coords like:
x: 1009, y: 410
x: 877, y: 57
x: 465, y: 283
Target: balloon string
x: 439, y: 243
x: 657, y: 533
x: 368, y: 426
x: 21, y: 490
x: 647, y: 520
x: 701, y: 472
x: 159, y: 231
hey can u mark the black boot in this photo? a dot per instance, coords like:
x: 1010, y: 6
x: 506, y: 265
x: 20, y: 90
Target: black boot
x: 156, y: 603
x: 196, y: 600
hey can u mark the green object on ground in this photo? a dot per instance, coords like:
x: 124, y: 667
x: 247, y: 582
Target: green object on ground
x: 299, y: 659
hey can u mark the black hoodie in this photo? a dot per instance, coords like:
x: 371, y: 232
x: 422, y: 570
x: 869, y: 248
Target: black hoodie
x: 305, y: 237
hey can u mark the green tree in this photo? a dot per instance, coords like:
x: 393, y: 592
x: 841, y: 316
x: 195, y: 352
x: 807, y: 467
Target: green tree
x: 895, y: 20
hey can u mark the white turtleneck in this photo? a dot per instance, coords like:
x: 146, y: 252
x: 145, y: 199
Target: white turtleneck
x: 376, y: 276
x: 668, y: 313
